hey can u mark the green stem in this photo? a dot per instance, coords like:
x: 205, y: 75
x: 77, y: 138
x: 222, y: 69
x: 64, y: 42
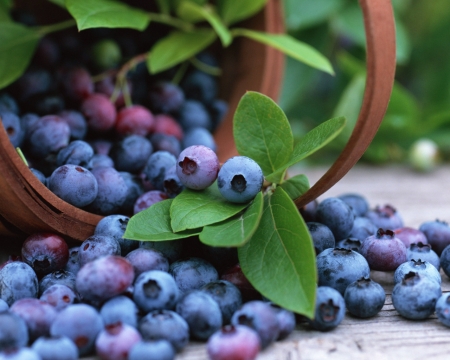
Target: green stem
x: 170, y: 20
x: 44, y: 30
x: 180, y: 72
x: 212, y: 70
x: 22, y: 156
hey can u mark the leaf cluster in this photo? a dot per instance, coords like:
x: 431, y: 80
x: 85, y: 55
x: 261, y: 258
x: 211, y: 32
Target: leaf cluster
x: 275, y: 249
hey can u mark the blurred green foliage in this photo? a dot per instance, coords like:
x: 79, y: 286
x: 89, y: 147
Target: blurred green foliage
x: 420, y: 101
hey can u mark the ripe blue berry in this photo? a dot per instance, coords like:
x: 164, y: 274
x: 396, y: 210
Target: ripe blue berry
x: 55, y: 348
x: 192, y: 273
x: 423, y: 252
x: 240, y: 179
x: 357, y: 202
x: 364, y: 297
x: 119, y: 309
x: 330, y: 309
x: 17, y: 281
x: 321, y: 235
x: 337, y: 215
x: 424, y: 268
x: 386, y: 217
x: 157, y: 165
x: 437, y: 233
x: 443, y: 309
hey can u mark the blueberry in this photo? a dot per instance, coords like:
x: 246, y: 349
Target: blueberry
x: 99, y: 111
x: 415, y: 296
x: 349, y: 244
x: 240, y: 179
x: 193, y: 114
x: 309, y: 211
x: 131, y: 153
x: 40, y: 175
x: 8, y: 104
x: 192, y: 273
x: 386, y: 217
x: 26, y: 122
x: 17, y: 281
x: 3, y: 305
x: 337, y: 268
x: 155, y: 290
x: 234, y: 342
x: 74, y: 184
x: 410, y: 236
x: 157, y: 165
x: 77, y: 123
x: 55, y: 348
x: 165, y: 97
x: 116, y: 340
x: 76, y: 83
x: 13, y: 332
x: 57, y: 277
x: 119, y: 309
x: 321, y: 235
x: 164, y: 142
x: 135, y: 188
x: 199, y: 136
x: 23, y: 353
x: 100, y: 160
x: 46, y: 103
x: 114, y: 226
x: 286, y: 321
x: 78, y: 152
x: 337, y: 215
x: 167, y: 125
x: 218, y: 108
x: 172, y: 184
x: 443, y: 309
x: 437, y: 233
x: 37, y: 314
x: 261, y: 317
x: 362, y: 228
x: 104, y: 278
x: 364, y: 297
x: 201, y: 312
x: 423, y: 252
x: 59, y: 296
x: 152, y: 350
x: 147, y: 259
x: 73, y: 264
x: 444, y: 260
x: 147, y: 199
x: 79, y: 322
x: 227, y: 295
x: 12, y: 125
x: 423, y: 268
x: 165, y: 325
x: 357, y: 202
x: 383, y: 251
x: 96, y: 246
x: 198, y: 167
x: 171, y: 249
x: 329, y: 309
x: 200, y: 86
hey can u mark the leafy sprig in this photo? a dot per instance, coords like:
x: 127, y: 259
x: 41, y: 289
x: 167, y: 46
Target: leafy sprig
x: 275, y: 248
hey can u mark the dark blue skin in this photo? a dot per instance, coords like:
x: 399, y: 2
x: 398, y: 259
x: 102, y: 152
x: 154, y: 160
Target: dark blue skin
x: 444, y: 260
x: 49, y: 347
x: 350, y: 244
x: 192, y: 273
x: 218, y: 108
x: 240, y: 179
x: 443, y: 309
x: 96, y: 246
x: 286, y: 321
x: 321, y: 235
x: 11, y: 123
x: 172, y: 184
x: 169, y: 143
x: 357, y: 202
x: 100, y: 160
x: 131, y: 153
x: 78, y: 152
x: 329, y: 310
x: 437, y: 233
x: 261, y: 317
x: 13, y: 332
x: 155, y: 290
x: 40, y: 175
x: 112, y: 191
x: 7, y: 103
x: 73, y: 265
x: 201, y: 312
x: 26, y: 122
x: 424, y: 268
x: 157, y: 165
x: 23, y: 353
x: 385, y: 217
x: 33, y: 81
x: 200, y: 86
x: 77, y: 123
x: 337, y: 268
x: 74, y: 184
x: 423, y: 252
x: 364, y: 298
x: 135, y: 189
x: 81, y: 323
x: 362, y: 228
x: 198, y: 136
x: 337, y: 215
x: 120, y: 309
x: 147, y: 259
x: 165, y: 325
x: 57, y: 277
x: 193, y: 114
x: 415, y: 296
x: 227, y: 295
x: 115, y: 226
x: 165, y: 97
x: 308, y: 211
x: 38, y: 315
x: 43, y: 104
x: 171, y: 249
x: 152, y: 350
x: 3, y: 305
x: 17, y: 281
x: 59, y: 296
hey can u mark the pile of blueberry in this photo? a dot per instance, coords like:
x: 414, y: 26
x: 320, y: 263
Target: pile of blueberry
x: 98, y: 132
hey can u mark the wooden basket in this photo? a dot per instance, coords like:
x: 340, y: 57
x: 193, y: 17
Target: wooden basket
x: 27, y: 206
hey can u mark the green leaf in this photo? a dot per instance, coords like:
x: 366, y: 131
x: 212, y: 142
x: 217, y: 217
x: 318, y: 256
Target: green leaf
x: 195, y: 12
x: 262, y: 132
x: 194, y: 209
x: 5, y: 7
x: 17, y: 44
x: 235, y: 231
x: 296, y: 186
x: 232, y: 11
x: 310, y: 143
x: 153, y: 224
x: 279, y: 259
x: 163, y: 6
x: 177, y: 47
x: 289, y: 46
x: 106, y: 13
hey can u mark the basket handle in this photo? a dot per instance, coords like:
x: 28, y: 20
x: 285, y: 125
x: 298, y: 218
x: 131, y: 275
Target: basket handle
x: 380, y: 37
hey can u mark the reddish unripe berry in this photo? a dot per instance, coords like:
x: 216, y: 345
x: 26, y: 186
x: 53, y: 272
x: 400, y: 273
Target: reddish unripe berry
x: 134, y: 120
x: 99, y: 111
x: 166, y: 124
x: 147, y: 199
x: 107, y: 86
x: 115, y: 341
x: 77, y: 83
x: 410, y: 236
x: 45, y: 252
x: 235, y: 276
